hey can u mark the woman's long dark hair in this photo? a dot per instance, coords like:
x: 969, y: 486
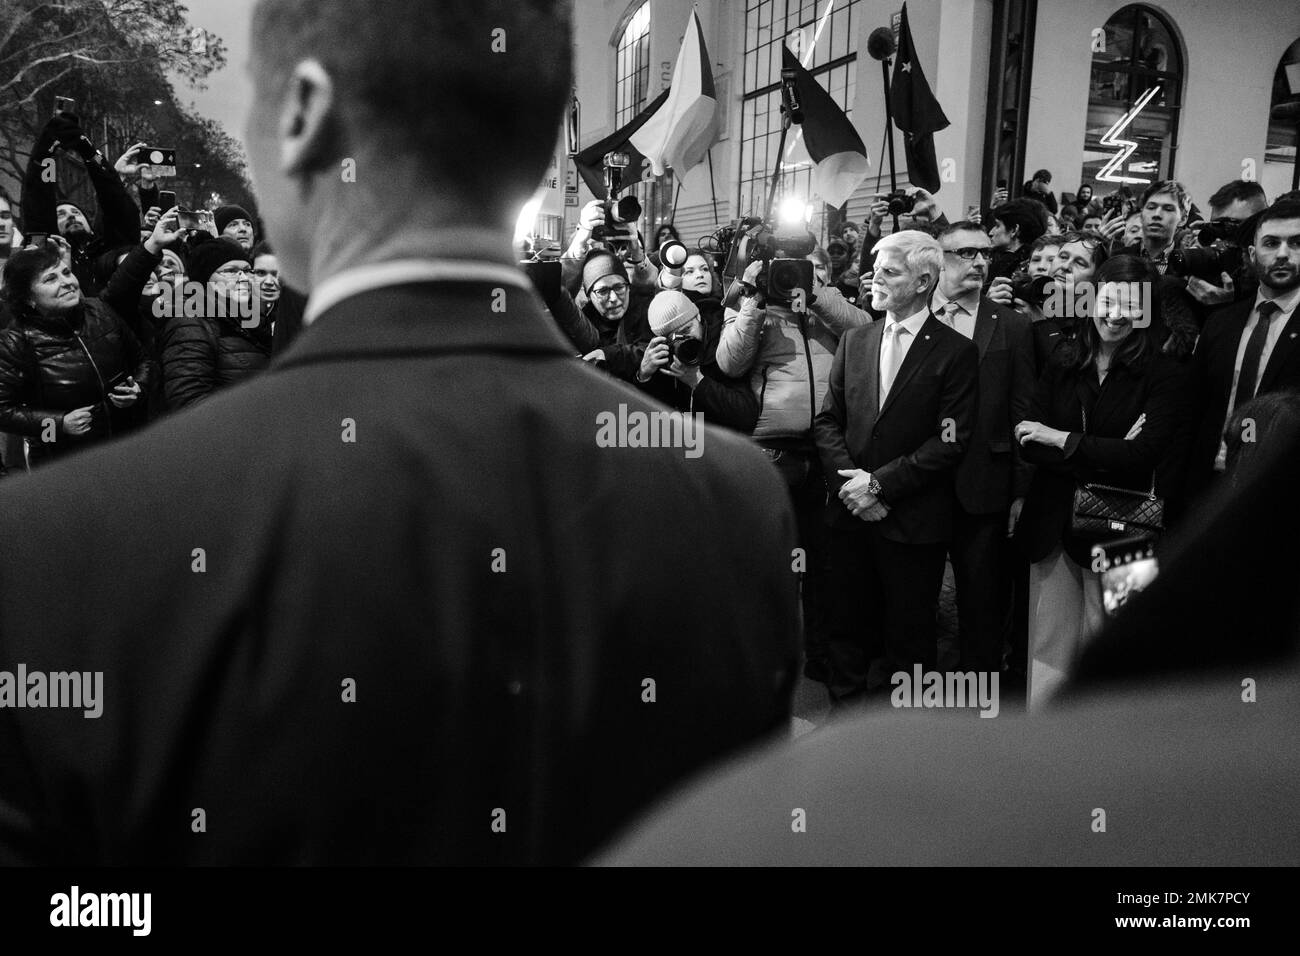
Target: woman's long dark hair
x: 1081, y: 351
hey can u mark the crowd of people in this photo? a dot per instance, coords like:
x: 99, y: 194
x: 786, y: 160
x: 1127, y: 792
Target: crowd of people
x: 1112, y: 342
x: 1020, y: 391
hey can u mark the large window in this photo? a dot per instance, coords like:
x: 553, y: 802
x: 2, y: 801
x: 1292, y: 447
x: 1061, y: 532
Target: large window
x: 821, y: 34
x: 632, y: 79
x: 1136, y: 92
x: 1281, y: 171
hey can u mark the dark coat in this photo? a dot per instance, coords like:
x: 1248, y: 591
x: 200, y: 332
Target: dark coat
x: 721, y: 399
x: 1156, y: 388
x: 203, y: 354
x: 1213, y: 369
x: 992, y: 471
x: 520, y: 689
x: 623, y: 342
x: 912, y: 444
x: 49, y: 367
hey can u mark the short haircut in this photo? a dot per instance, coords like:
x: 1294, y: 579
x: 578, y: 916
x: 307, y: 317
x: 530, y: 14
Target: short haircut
x: 1027, y: 215
x: 22, y: 270
x: 421, y: 79
x: 921, y: 252
x: 1279, y: 210
x: 1043, y: 175
x: 1096, y: 248
x: 1175, y: 189
x: 1237, y: 190
x: 963, y: 225
x: 1043, y: 241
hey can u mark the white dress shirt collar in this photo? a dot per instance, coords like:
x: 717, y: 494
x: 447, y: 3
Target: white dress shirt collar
x: 352, y: 282
x: 1285, y: 303
x: 913, y: 322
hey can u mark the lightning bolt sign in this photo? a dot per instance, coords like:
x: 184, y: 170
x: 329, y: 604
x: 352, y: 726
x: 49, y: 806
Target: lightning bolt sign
x: 1127, y: 146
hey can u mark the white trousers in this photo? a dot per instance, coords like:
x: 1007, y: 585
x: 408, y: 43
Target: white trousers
x: 1065, y: 613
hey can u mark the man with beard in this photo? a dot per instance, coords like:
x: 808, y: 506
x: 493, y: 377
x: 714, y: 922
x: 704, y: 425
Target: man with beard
x: 226, y: 343
x: 992, y: 479
x: 44, y: 212
x: 610, y: 328
x: 1249, y: 348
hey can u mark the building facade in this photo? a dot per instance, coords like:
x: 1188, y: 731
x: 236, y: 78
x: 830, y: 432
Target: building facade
x: 1207, y: 92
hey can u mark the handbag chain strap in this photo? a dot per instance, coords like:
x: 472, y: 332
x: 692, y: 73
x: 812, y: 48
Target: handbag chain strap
x: 1151, y: 494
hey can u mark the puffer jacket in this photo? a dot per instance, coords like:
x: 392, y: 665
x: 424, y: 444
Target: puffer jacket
x: 203, y: 354
x: 787, y: 357
x: 51, y: 366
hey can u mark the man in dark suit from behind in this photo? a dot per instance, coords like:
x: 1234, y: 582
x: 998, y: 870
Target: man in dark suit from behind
x: 393, y: 601
x: 992, y: 479
x: 897, y: 418
x: 1250, y: 347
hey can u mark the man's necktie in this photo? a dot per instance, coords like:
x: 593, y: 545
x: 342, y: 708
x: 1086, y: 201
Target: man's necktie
x: 891, y: 358
x: 1248, y: 379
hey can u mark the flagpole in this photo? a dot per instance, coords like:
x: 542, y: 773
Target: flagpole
x: 713, y: 192
x: 889, y: 131
x: 676, y: 197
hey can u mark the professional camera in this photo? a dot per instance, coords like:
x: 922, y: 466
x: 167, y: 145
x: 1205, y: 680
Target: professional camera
x: 900, y: 203
x: 1219, y: 252
x: 1033, y: 290
x: 619, y: 213
x: 786, y: 270
x: 687, y: 349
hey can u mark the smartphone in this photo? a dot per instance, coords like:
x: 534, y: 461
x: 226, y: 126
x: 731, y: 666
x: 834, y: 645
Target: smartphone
x: 118, y: 379
x: 207, y: 221
x: 161, y: 158
x: 1002, y: 184
x: 36, y: 239
x: 63, y: 104
x: 188, y: 219
x: 1130, y: 567
x: 166, y: 199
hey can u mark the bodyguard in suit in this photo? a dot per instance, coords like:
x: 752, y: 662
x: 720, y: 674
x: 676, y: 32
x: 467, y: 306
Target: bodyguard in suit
x: 897, y: 418
x: 1251, y: 347
x: 391, y: 602
x: 992, y: 479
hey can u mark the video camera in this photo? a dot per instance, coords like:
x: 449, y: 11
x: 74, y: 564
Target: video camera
x: 787, y: 275
x: 619, y: 213
x: 1220, y: 251
x: 1033, y: 290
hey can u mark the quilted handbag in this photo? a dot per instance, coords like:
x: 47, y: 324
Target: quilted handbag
x: 1104, y: 511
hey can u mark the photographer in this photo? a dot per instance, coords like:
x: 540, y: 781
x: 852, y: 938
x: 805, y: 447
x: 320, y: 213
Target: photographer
x: 71, y: 369
x: 610, y: 326
x: 1232, y: 209
x: 787, y: 356
x: 44, y: 212
x: 680, y: 364
x: 621, y: 240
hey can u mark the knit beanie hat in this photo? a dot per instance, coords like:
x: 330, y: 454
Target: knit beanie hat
x: 597, y: 265
x: 671, y: 312
x: 225, y: 215
x: 205, y: 258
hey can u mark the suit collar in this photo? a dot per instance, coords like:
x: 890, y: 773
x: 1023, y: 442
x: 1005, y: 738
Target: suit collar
x: 350, y: 282
x: 986, y: 320
x: 428, y: 318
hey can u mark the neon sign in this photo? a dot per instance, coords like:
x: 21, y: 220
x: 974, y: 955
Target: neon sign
x: 1126, y: 146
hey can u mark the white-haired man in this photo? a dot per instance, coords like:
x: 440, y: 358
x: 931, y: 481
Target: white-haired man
x: 897, y: 418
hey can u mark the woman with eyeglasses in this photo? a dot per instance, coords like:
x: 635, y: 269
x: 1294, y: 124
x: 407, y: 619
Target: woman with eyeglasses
x: 71, y: 368
x: 1112, y: 409
x: 608, y: 323
x: 226, y: 342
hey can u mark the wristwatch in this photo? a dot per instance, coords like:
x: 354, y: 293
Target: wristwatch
x: 873, y: 486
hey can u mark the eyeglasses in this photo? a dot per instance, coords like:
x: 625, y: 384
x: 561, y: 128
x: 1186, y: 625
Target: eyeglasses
x: 613, y: 290
x: 969, y: 252
x: 235, y: 271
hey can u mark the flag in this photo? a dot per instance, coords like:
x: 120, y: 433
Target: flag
x: 833, y: 144
x: 686, y: 125
x: 590, y: 161
x: 917, y: 113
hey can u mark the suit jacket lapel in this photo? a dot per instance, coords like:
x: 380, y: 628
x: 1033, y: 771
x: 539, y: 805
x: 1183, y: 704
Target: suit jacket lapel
x: 915, y: 356
x: 1286, y: 344
x: 986, y: 320
x: 871, y: 342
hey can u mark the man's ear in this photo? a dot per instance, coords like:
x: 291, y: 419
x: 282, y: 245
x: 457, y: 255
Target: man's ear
x: 307, y: 119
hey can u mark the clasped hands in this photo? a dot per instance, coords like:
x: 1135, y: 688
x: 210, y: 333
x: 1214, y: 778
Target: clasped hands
x: 861, y: 502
